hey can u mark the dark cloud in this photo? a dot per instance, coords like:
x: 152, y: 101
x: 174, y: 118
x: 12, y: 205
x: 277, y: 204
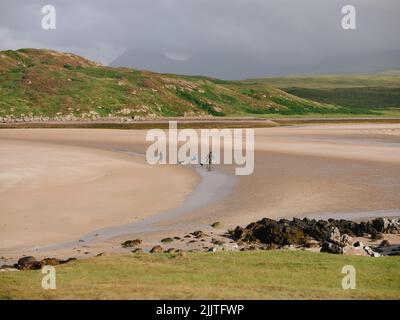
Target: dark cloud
x: 274, y: 36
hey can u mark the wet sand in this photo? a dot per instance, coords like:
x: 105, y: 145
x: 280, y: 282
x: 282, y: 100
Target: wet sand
x: 61, y: 185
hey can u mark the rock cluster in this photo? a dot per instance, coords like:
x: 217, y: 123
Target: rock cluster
x: 334, y: 236
x: 30, y: 263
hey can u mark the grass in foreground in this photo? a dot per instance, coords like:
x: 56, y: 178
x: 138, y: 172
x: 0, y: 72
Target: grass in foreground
x: 243, y: 275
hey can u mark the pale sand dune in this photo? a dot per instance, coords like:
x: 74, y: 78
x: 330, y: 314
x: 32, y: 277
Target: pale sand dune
x: 59, y: 184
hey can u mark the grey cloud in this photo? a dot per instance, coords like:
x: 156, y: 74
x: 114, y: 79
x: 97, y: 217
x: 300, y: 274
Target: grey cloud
x: 264, y: 36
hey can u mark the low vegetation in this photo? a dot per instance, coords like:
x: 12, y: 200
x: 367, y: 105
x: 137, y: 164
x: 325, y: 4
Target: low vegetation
x: 273, y: 274
x: 357, y: 94
x: 45, y: 84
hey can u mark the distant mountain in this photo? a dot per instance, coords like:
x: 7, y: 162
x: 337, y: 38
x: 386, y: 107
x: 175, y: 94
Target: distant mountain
x: 216, y: 64
x: 236, y: 66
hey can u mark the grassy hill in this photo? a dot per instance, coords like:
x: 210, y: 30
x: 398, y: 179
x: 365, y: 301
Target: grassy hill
x: 360, y: 93
x: 46, y: 84
x: 236, y: 275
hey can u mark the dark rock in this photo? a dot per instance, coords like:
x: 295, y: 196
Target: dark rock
x: 28, y: 263
x: 49, y: 262
x: 157, y: 249
x: 359, y: 244
x: 67, y: 260
x: 199, y: 234
x: 6, y: 266
x: 384, y: 243
x: 309, y: 232
x: 216, y: 224
x: 282, y: 232
x: 332, y: 248
x: 376, y: 235
x: 167, y: 240
x: 379, y: 224
x: 131, y: 243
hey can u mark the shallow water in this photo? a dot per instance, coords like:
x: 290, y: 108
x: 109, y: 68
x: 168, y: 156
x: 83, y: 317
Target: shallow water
x: 213, y: 187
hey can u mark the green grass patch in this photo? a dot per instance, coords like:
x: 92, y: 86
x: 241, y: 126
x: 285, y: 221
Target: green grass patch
x: 240, y: 275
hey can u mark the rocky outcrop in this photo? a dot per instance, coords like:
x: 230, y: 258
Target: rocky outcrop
x: 337, y: 242
x: 282, y: 232
x: 333, y: 236
x: 300, y: 231
x: 30, y: 263
x: 131, y: 243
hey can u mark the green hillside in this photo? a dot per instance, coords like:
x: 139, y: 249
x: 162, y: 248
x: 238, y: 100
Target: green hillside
x: 360, y: 93
x: 45, y: 84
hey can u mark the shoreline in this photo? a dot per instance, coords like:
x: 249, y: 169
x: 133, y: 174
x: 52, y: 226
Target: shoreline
x: 215, y: 122
x: 307, y: 182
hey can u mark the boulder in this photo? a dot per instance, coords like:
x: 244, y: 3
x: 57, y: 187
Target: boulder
x: 7, y: 268
x: 384, y: 243
x: 380, y: 224
x: 28, y: 263
x: 359, y: 244
x: 370, y: 252
x: 157, y: 249
x: 338, y: 238
x: 217, y: 224
x: 167, y: 240
x: 375, y: 235
x: 131, y: 243
x: 330, y: 247
x: 49, y: 262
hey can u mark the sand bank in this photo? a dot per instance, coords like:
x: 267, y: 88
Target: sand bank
x: 61, y: 184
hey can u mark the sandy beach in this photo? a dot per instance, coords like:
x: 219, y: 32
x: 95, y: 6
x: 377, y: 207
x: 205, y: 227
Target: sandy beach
x: 61, y: 185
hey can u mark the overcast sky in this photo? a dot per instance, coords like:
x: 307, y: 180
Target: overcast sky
x: 282, y: 32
